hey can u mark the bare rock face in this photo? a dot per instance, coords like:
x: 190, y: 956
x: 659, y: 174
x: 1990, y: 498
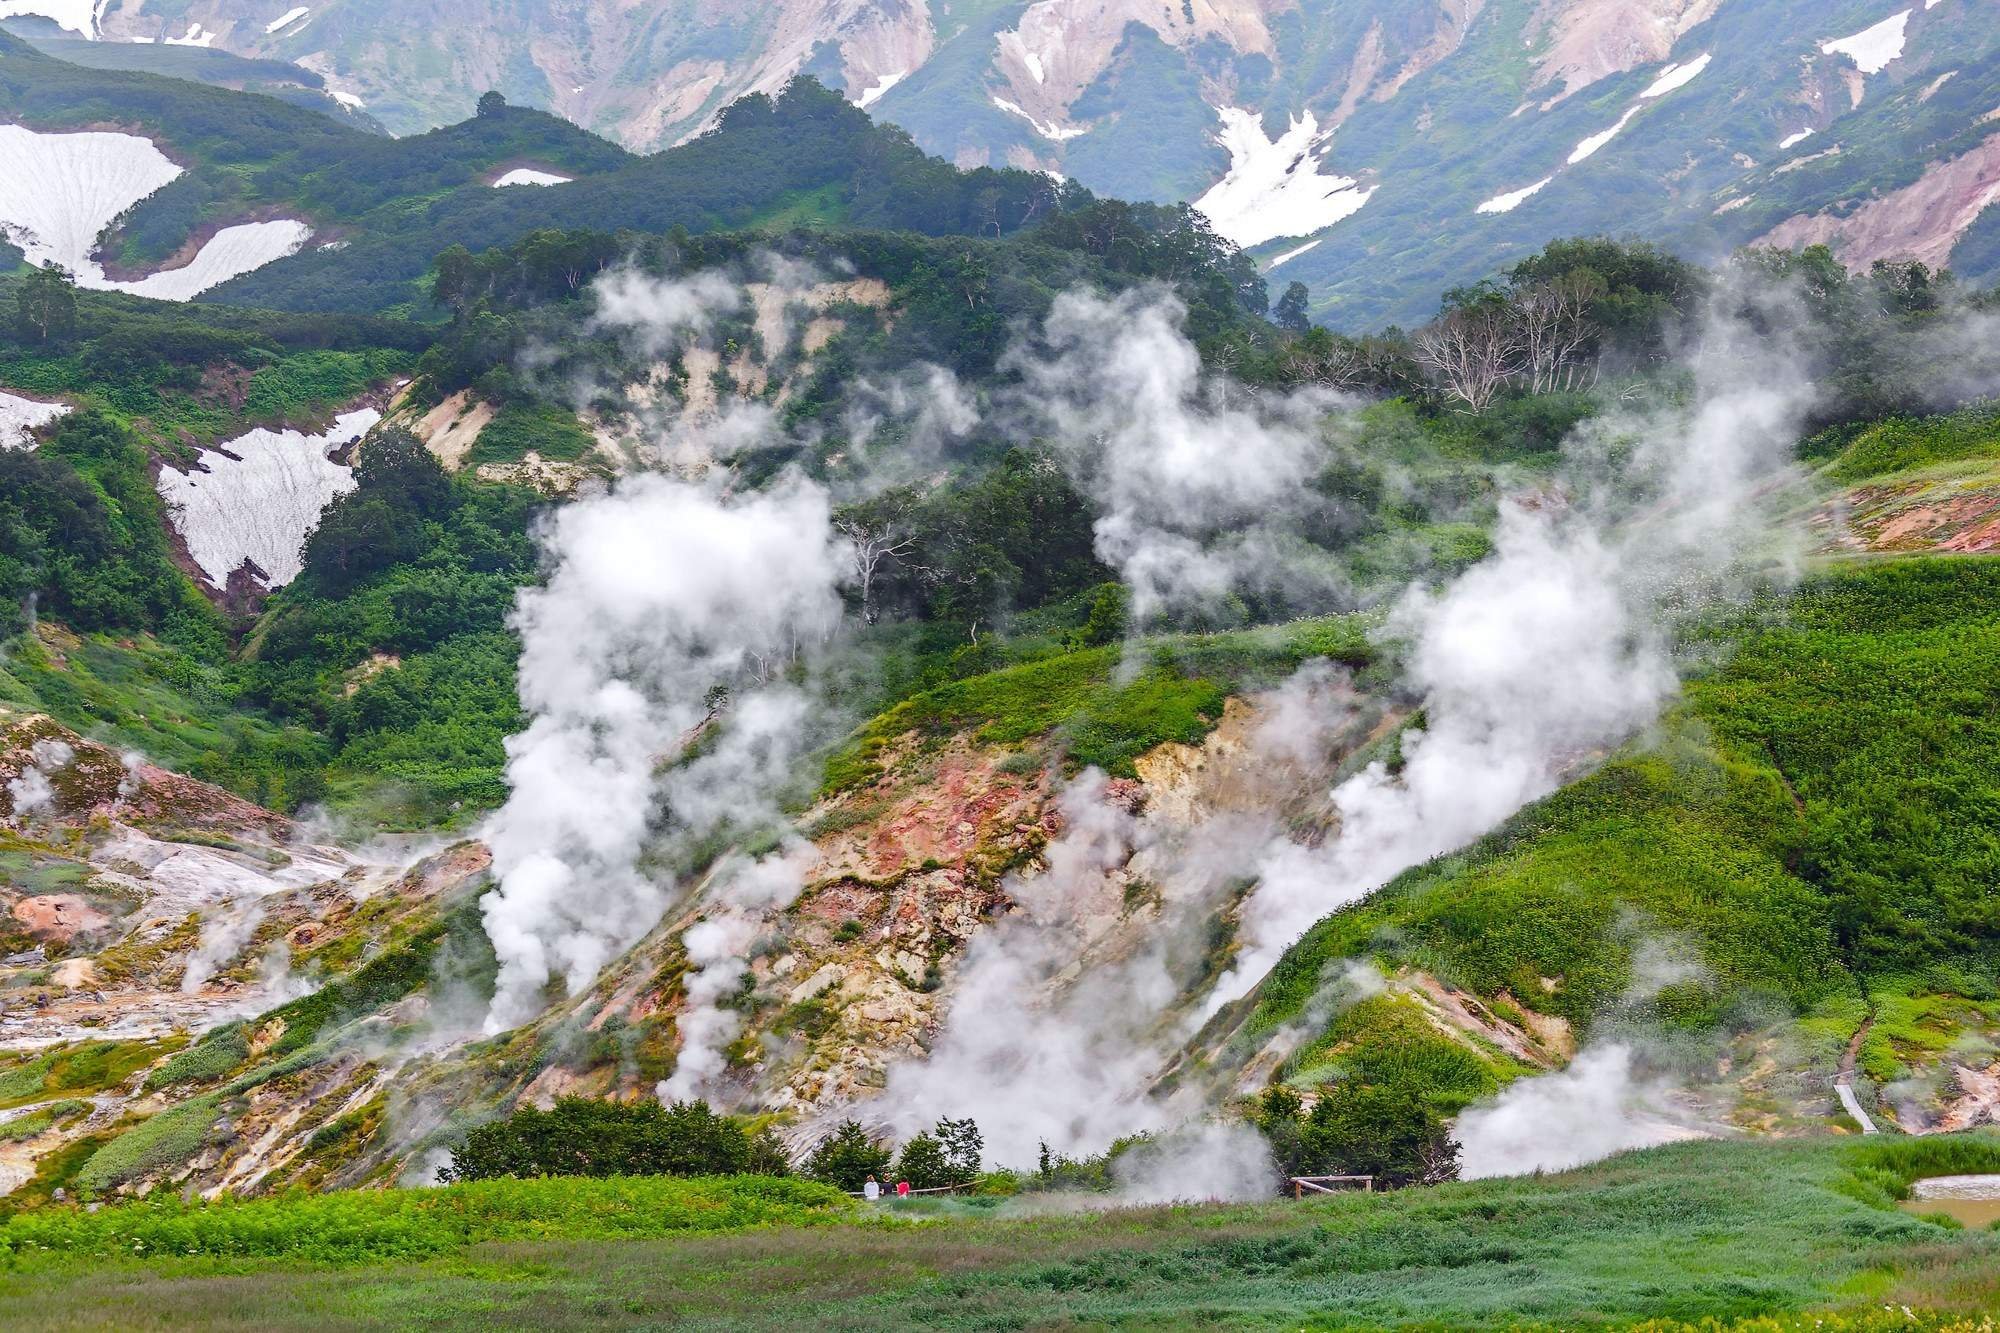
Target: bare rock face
x: 1923, y: 220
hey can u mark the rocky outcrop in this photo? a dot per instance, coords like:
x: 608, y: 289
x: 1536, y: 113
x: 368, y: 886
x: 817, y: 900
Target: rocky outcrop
x: 1922, y: 221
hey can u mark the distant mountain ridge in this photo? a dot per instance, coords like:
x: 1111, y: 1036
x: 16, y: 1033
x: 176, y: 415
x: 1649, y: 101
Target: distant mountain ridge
x: 1371, y: 150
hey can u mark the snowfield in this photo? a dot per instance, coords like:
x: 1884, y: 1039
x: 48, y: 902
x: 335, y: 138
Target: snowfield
x: 1798, y: 137
x: 260, y: 504
x: 286, y: 20
x: 1275, y: 189
x: 231, y: 252
x: 529, y: 176
x: 1676, y: 76
x: 58, y: 192
x: 1294, y: 253
x: 880, y: 86
x: 1598, y: 140
x: 1872, y: 49
x: 19, y: 416
x: 1513, y: 199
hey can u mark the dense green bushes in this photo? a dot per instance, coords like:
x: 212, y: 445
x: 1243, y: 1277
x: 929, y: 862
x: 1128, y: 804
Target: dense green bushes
x: 1358, y: 1128
x: 1818, y: 810
x: 584, y: 1136
x: 376, y: 1225
x: 83, y: 532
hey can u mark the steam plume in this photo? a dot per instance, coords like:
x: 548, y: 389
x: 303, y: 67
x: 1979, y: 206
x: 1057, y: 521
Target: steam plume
x: 663, y: 593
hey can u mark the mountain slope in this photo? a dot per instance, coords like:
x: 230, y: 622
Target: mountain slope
x: 1412, y: 146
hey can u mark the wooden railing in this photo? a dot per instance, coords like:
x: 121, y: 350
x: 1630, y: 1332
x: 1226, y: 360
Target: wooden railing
x: 1320, y: 1184
x: 889, y: 1191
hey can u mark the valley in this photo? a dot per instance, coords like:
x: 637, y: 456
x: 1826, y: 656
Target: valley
x: 589, y: 702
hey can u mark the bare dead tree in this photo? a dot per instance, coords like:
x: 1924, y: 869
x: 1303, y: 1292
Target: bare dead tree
x: 1556, y: 332
x: 873, y: 543
x: 1346, y: 365
x: 1472, y: 352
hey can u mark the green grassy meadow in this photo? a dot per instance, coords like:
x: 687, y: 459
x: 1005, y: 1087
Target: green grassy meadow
x: 1778, y: 1232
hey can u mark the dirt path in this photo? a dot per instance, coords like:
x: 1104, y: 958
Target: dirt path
x: 1843, y: 1082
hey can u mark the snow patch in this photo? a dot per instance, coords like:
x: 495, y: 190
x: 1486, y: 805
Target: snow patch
x: 1792, y: 139
x: 1053, y: 131
x: 233, y: 251
x: 77, y: 16
x: 1872, y: 49
x: 286, y: 20
x: 1274, y: 188
x: 19, y: 417
x: 529, y: 176
x: 882, y: 85
x: 196, y: 36
x: 1596, y: 141
x: 1676, y: 76
x: 258, y: 500
x: 1513, y: 199
x: 1294, y: 254
x: 58, y: 192
x: 346, y: 99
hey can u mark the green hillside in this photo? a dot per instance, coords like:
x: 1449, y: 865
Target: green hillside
x: 1816, y: 818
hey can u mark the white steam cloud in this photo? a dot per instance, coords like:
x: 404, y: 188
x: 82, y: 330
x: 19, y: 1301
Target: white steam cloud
x: 1199, y: 484
x: 663, y: 314
x: 1553, y: 648
x: 32, y: 791
x: 744, y: 892
x: 664, y: 592
x: 1596, y: 1107
x: 1534, y: 662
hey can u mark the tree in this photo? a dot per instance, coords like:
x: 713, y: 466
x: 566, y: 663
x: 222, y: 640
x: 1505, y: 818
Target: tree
x: 948, y: 1154
x: 45, y: 306
x: 847, y: 1157
x: 878, y: 531
x: 1472, y: 350
x: 398, y: 486
x: 922, y: 1163
x: 1557, y: 335
x: 964, y: 1148
x: 1291, y: 312
x: 1109, y: 617
x: 395, y: 464
x: 491, y: 104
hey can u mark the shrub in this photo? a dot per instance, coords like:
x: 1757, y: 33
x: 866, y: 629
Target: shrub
x: 166, y: 1140
x: 1360, y: 1129
x: 204, y: 1062
x: 376, y: 1225
x: 583, y: 1136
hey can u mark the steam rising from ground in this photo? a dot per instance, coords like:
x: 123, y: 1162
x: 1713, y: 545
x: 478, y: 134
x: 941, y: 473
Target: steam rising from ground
x: 1530, y: 665
x: 745, y: 891
x: 1598, y: 1106
x: 663, y: 593
x: 1199, y: 484
x: 1553, y: 648
x: 1535, y: 661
